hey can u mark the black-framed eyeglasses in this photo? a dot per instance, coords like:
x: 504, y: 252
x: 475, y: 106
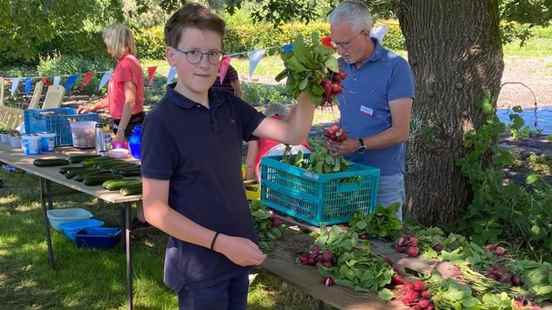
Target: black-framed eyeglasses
x: 195, y: 55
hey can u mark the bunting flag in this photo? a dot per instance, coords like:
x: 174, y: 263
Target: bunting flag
x: 105, y: 79
x: 171, y: 75
x: 28, y: 86
x: 70, y: 82
x: 151, y: 74
x: 86, y: 79
x: 223, y: 67
x: 57, y: 80
x: 45, y: 82
x: 14, y: 85
x: 379, y: 32
x: 254, y: 59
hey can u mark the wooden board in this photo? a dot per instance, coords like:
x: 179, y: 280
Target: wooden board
x: 281, y: 262
x: 16, y: 158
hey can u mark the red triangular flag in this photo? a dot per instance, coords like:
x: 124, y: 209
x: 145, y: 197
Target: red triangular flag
x: 45, y: 82
x: 151, y: 73
x: 86, y: 78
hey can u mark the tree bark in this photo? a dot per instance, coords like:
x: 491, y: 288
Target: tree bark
x: 455, y: 51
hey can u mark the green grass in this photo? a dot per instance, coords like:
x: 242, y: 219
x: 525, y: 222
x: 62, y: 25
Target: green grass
x: 92, y: 279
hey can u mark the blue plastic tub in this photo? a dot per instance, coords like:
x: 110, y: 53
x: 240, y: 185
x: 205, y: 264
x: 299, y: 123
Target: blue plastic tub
x: 61, y: 216
x: 98, y: 237
x: 72, y: 228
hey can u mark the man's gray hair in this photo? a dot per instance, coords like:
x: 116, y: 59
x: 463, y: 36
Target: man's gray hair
x: 354, y: 12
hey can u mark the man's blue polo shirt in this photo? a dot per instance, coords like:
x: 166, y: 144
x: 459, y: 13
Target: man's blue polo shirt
x: 199, y: 151
x: 364, y: 104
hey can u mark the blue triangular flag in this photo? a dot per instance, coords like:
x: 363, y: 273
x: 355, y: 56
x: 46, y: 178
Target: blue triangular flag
x: 57, y: 80
x: 28, y: 86
x: 254, y: 59
x: 14, y: 85
x: 171, y: 75
x: 71, y: 80
x: 105, y: 78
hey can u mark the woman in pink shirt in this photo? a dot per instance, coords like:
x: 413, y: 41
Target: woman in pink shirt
x: 125, y: 92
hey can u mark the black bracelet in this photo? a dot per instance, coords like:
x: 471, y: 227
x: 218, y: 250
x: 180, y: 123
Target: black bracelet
x: 213, y: 241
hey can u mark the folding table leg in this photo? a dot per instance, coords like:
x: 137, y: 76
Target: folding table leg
x: 128, y: 249
x: 46, y: 201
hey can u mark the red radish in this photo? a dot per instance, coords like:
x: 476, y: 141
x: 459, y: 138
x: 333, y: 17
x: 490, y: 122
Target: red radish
x: 409, y: 297
x: 490, y: 247
x: 397, y: 280
x: 499, y: 251
x: 336, y: 88
x: 426, y: 294
x: 341, y: 75
x: 419, y: 286
x: 430, y: 307
x: 412, y: 251
x: 276, y: 221
x: 516, y: 281
x: 424, y: 303
x: 328, y: 281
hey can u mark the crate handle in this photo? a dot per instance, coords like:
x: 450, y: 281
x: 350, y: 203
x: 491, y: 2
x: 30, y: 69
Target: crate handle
x: 347, y: 188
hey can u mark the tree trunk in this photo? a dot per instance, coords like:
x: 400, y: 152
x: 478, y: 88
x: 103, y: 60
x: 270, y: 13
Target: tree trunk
x: 455, y: 51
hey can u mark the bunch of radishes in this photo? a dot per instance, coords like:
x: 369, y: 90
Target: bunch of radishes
x: 335, y: 134
x: 413, y: 294
x: 317, y: 256
x: 332, y: 87
x: 407, y: 244
x: 500, y: 274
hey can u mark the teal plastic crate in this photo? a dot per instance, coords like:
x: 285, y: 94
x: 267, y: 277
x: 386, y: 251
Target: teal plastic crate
x: 318, y: 199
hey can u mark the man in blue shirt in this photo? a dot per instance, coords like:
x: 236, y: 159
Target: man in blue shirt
x: 376, y: 101
x: 191, y: 168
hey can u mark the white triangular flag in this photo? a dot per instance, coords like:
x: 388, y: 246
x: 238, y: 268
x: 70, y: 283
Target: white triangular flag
x: 379, y: 32
x: 105, y: 79
x: 14, y: 85
x: 171, y: 75
x: 57, y: 80
x: 254, y: 59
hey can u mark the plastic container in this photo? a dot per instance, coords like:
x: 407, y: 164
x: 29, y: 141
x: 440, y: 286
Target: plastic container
x: 60, y: 216
x: 55, y: 121
x: 15, y: 141
x: 47, y: 141
x: 83, y: 134
x: 98, y: 237
x: 70, y: 229
x: 135, y: 141
x: 30, y: 144
x: 118, y: 153
x: 318, y: 199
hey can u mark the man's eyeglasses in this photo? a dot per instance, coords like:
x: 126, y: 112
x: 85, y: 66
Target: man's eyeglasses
x: 347, y: 44
x: 194, y: 55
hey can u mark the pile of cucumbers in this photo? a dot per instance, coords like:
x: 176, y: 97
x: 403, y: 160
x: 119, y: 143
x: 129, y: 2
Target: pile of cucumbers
x: 112, y: 174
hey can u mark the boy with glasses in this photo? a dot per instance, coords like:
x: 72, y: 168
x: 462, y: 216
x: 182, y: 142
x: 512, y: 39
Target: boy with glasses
x: 191, y: 168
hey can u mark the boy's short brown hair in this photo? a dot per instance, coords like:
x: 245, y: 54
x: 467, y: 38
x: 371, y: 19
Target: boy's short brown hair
x: 192, y: 15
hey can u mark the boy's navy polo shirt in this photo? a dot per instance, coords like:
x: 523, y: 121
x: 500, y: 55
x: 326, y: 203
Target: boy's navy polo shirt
x: 364, y: 104
x: 199, y: 151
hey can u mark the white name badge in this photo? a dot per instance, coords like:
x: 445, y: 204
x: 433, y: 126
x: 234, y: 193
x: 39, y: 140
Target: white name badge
x: 366, y: 110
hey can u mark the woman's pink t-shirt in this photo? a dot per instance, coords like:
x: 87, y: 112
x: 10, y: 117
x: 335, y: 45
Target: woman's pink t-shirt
x: 127, y: 69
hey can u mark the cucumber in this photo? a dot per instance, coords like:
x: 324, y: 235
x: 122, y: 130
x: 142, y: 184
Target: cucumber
x: 50, y: 162
x: 64, y: 170
x: 93, y: 180
x: 75, y: 159
x: 131, y: 189
x: 97, y: 160
x: 115, y: 185
x: 127, y: 172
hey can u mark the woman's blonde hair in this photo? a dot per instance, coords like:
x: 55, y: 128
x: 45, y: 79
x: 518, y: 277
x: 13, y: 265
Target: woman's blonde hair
x: 118, y: 38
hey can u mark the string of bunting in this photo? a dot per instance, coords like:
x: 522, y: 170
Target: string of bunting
x: 254, y: 56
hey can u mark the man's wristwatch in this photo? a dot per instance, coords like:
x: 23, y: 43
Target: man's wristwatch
x: 362, y: 147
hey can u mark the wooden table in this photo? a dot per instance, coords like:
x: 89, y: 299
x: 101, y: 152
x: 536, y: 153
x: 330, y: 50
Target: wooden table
x: 281, y: 262
x: 15, y: 157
